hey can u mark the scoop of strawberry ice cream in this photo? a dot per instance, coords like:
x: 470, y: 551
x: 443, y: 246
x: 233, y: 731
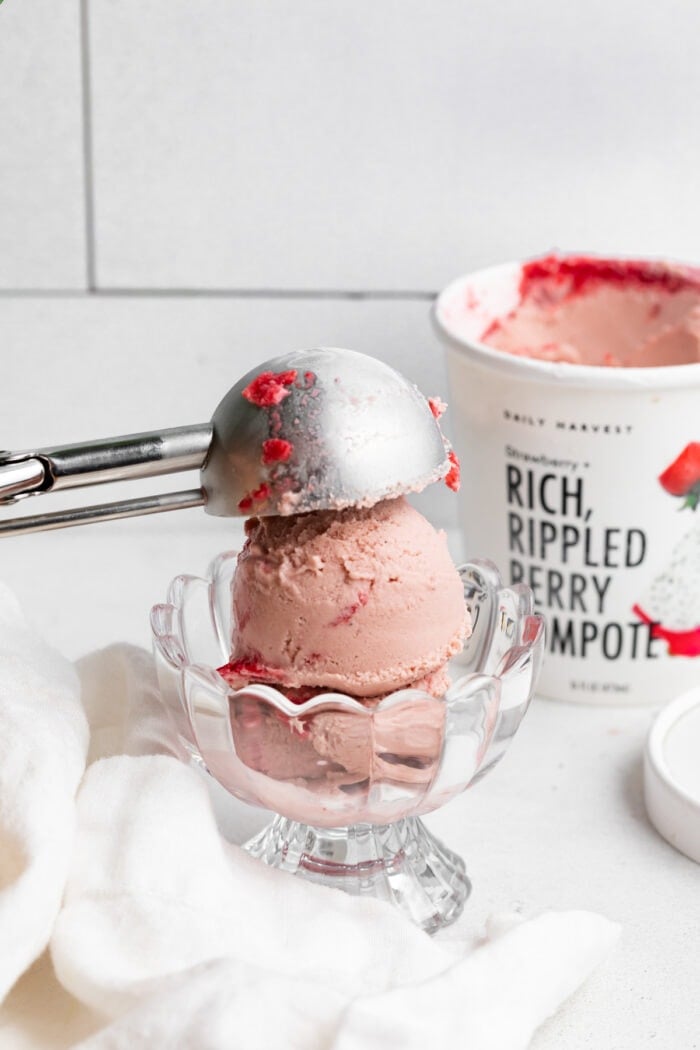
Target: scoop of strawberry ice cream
x: 362, y: 601
x: 240, y: 673
x: 402, y: 743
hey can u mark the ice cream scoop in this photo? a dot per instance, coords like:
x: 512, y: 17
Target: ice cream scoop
x: 312, y: 430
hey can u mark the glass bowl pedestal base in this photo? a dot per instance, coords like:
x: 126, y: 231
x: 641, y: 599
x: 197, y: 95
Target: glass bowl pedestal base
x: 402, y: 863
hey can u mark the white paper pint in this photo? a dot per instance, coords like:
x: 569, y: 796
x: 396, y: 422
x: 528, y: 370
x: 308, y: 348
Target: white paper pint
x: 560, y: 488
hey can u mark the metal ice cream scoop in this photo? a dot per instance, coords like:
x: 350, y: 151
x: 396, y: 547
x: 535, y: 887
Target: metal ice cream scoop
x: 311, y: 430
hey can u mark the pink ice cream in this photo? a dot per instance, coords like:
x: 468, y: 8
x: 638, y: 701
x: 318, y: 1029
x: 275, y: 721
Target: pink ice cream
x: 402, y: 744
x: 593, y: 311
x: 362, y: 601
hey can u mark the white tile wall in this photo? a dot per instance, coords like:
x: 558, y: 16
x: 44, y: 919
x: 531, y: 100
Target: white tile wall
x: 42, y: 223
x: 313, y: 146
x: 387, y: 145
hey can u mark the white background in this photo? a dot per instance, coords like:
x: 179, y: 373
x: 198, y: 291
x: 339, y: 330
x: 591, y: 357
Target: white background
x: 187, y: 188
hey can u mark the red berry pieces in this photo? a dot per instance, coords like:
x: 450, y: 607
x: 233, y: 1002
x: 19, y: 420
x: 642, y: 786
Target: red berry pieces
x: 345, y: 615
x: 258, y: 496
x: 680, y: 643
x: 276, y: 450
x: 437, y: 406
x: 453, y: 475
x: 269, y: 388
x: 248, y: 668
x: 575, y: 274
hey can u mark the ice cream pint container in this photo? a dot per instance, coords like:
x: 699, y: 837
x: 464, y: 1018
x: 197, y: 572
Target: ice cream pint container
x: 583, y: 481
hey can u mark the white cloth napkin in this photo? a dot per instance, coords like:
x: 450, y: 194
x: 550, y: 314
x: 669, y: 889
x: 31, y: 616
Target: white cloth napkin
x: 178, y: 938
x: 43, y: 740
x: 495, y: 998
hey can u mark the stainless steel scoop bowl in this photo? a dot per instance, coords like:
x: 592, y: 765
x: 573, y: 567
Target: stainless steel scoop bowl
x: 310, y: 430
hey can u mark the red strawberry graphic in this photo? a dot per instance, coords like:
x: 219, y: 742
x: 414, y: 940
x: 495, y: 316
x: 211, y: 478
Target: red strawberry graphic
x: 682, y: 478
x: 671, y: 605
x: 680, y: 643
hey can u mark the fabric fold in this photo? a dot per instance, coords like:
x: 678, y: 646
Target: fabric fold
x: 178, y: 938
x: 495, y: 998
x: 221, y: 1005
x: 43, y: 742
x: 154, y: 889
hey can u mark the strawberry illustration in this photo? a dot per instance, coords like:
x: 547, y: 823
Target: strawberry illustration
x: 682, y: 478
x: 671, y: 604
x: 680, y: 643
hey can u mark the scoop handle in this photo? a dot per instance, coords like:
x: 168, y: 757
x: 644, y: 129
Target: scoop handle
x: 111, y: 459
x: 88, y: 463
x: 128, y: 508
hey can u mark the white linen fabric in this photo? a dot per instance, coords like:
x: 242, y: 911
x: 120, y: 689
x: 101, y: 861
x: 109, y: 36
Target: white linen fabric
x: 495, y: 998
x: 43, y: 741
x: 176, y: 937
x: 154, y: 890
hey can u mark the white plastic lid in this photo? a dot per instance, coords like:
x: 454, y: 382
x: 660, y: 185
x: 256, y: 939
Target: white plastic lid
x: 672, y: 774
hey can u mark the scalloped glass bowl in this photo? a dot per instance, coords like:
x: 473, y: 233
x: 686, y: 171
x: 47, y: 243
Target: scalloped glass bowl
x: 349, y: 780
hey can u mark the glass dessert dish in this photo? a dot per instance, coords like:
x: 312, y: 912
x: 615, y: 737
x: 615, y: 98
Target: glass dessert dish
x: 350, y: 780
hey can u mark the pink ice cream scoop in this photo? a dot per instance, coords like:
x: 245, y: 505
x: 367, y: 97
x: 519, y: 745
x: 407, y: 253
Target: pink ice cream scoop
x: 594, y: 311
x: 362, y: 601
x: 340, y: 748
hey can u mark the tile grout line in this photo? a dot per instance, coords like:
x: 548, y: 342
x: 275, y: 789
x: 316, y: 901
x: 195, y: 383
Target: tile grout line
x: 89, y: 188
x: 268, y: 293
x: 93, y: 292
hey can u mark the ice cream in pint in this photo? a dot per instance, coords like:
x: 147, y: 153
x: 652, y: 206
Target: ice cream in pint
x: 611, y: 312
x: 575, y: 392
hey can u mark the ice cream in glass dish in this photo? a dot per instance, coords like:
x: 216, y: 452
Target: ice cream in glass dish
x: 362, y: 600
x: 340, y: 670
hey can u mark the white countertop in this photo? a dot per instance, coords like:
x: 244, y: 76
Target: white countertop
x: 559, y: 824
